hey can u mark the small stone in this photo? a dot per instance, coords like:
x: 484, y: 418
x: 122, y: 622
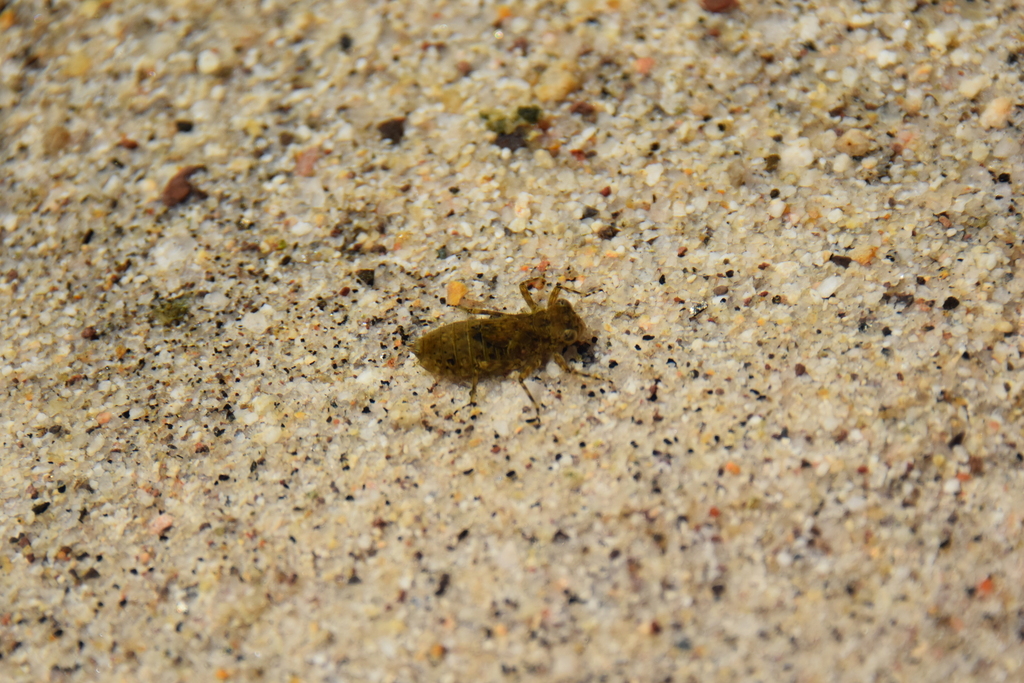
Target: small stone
x: 393, y: 129
x: 208, y: 62
x: 305, y: 162
x: 971, y: 87
x: 652, y: 174
x: 178, y: 188
x: 797, y: 155
x: 913, y: 101
x: 854, y: 142
x: 643, y: 65
x: 90, y: 333
x: 841, y: 164
x: 216, y: 301
x: 55, y: 140
x: 829, y: 286
x: 104, y: 417
x: 1007, y: 147
x: 257, y: 322
x: 937, y: 39
x: 950, y: 303
x: 718, y: 6
x: 951, y: 486
x: 776, y: 208
x: 510, y: 141
x: 302, y: 228
x: 887, y: 58
x: 997, y: 113
x: 78, y: 64
x: 161, y: 523
x: 556, y: 83
x: 864, y: 254
x: 366, y: 276
x: 456, y: 290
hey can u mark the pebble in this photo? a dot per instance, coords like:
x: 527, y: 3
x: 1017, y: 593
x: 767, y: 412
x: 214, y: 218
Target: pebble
x: 829, y: 286
x: 556, y: 83
x: 257, y: 322
x: 854, y: 142
x: 972, y: 87
x: 997, y: 114
x: 797, y: 155
x: 160, y: 524
x: 208, y: 62
x: 652, y: 174
x: 302, y: 228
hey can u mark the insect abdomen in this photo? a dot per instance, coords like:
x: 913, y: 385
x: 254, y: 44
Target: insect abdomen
x: 478, y: 348
x: 461, y: 351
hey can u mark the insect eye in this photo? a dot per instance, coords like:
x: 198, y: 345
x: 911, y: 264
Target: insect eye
x: 569, y: 335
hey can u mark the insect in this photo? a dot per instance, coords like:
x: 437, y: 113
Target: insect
x: 471, y: 350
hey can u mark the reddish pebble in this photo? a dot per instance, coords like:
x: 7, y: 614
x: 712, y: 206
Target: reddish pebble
x: 104, y: 417
x: 719, y: 6
x: 305, y: 162
x: 643, y: 65
x: 90, y: 333
x: 605, y: 191
x: 160, y: 524
x: 178, y: 188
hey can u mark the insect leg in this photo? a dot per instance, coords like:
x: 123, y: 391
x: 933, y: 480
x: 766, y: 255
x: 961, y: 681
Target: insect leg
x: 536, y: 407
x: 472, y: 393
x: 481, y: 311
x: 564, y: 364
x: 524, y: 290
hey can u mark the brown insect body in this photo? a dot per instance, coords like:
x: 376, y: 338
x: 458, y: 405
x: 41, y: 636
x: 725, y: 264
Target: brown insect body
x: 471, y: 350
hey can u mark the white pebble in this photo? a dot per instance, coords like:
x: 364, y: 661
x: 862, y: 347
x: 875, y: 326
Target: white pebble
x: 208, y: 62
x: 257, y: 322
x: 887, y: 58
x: 1005, y: 148
x: 951, y: 486
x: 174, y: 252
x: 938, y: 40
x: 776, y: 208
x: 970, y: 87
x: 653, y: 174
x: 302, y: 228
x: 797, y: 155
x: 215, y: 301
x: 271, y: 435
x: 829, y: 286
x: 834, y: 216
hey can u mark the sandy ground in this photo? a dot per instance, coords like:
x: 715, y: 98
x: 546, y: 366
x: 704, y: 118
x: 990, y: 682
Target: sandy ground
x: 794, y: 231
